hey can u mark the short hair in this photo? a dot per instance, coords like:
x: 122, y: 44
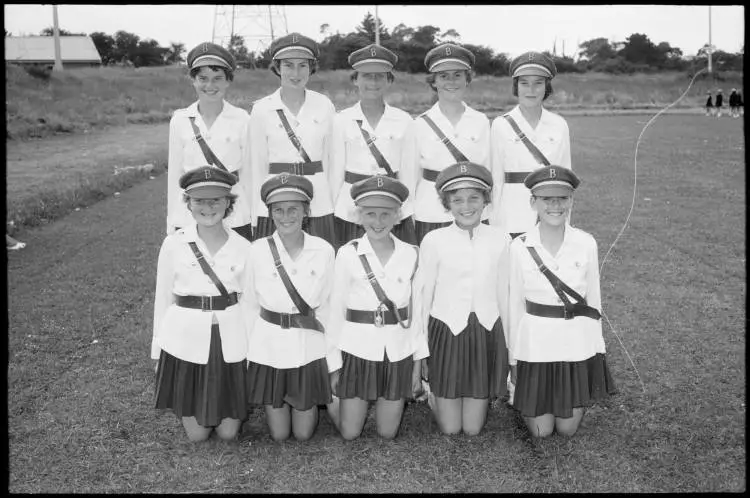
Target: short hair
x: 445, y: 197
x: 389, y: 76
x: 229, y: 74
x: 232, y: 198
x: 432, y: 76
x: 275, y: 66
x: 547, y: 87
x: 305, y: 208
x: 358, y: 215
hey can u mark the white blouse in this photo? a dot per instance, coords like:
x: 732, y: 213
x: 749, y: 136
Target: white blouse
x: 539, y: 339
x: 312, y: 275
x: 459, y: 274
x: 352, y: 289
x: 349, y: 152
x: 471, y: 136
x: 228, y: 139
x: 510, y: 208
x: 185, y: 332
x: 271, y: 144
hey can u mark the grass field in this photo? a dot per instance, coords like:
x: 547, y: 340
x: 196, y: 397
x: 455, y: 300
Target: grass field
x: 80, y: 382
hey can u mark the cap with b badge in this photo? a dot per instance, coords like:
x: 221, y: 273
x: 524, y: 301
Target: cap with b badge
x: 373, y: 59
x: 286, y: 187
x: 552, y: 181
x: 207, y: 182
x: 294, y: 46
x: 449, y: 57
x: 533, y: 64
x: 210, y: 54
x: 463, y: 175
x: 379, y: 191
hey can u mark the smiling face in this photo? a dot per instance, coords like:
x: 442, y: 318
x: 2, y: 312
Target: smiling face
x: 294, y: 73
x: 378, y: 221
x: 466, y: 206
x: 288, y: 216
x: 208, y: 212
x: 531, y: 90
x: 552, y: 210
x: 451, y: 85
x: 372, y: 86
x: 210, y: 85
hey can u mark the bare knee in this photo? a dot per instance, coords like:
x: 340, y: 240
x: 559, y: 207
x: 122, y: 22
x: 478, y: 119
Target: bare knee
x: 279, y: 435
x: 197, y: 437
x: 303, y: 434
x: 388, y: 433
x: 350, y: 433
x: 473, y: 430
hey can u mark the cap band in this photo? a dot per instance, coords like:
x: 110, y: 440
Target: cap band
x: 443, y: 61
x: 381, y: 193
x: 480, y: 183
x: 217, y: 58
x: 294, y: 47
x: 532, y: 66
x: 372, y: 61
x: 550, y: 183
x: 286, y: 190
x: 208, y: 184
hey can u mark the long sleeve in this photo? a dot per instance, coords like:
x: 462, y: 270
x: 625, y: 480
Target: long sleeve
x: 250, y: 303
x: 407, y: 173
x: 337, y: 309
x: 336, y: 157
x: 516, y: 299
x: 497, y: 169
x: 163, y: 297
x: 424, y: 287
x: 593, y: 286
x: 174, y: 171
x: 258, y: 157
x: 245, y: 169
x: 333, y: 357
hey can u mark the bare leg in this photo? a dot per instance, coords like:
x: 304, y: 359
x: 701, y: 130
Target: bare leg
x: 279, y: 422
x: 388, y: 417
x: 353, y: 416
x: 448, y: 414
x: 474, y: 415
x: 228, y: 428
x: 541, y: 426
x: 569, y: 426
x: 195, y: 431
x: 304, y: 423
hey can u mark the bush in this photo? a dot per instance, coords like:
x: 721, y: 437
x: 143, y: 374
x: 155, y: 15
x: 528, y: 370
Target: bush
x: 40, y: 71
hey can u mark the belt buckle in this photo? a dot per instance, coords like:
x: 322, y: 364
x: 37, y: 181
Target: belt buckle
x: 286, y: 320
x: 207, y: 303
x: 298, y: 168
x: 568, y: 314
x: 379, y: 320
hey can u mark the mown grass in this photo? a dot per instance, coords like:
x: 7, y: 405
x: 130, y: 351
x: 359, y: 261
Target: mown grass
x: 89, y: 98
x: 80, y: 383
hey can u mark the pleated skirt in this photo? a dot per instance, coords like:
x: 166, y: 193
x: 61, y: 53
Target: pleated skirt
x: 472, y: 364
x: 558, y: 387
x: 346, y: 231
x: 370, y: 380
x: 301, y: 388
x: 320, y: 226
x: 210, y: 392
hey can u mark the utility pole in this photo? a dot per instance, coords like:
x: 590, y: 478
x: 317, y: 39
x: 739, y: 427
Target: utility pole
x: 56, y: 32
x: 710, y: 47
x: 377, y: 27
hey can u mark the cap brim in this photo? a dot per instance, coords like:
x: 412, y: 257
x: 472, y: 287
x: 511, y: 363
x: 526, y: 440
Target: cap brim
x: 373, y: 67
x: 286, y: 196
x: 381, y: 201
x: 208, y: 192
x: 210, y: 61
x: 294, y: 53
x: 532, y: 71
x: 464, y: 183
x: 552, y: 190
x: 449, y: 66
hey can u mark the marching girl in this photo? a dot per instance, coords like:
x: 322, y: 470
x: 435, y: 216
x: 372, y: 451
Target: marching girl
x: 527, y: 137
x: 289, y: 132
x: 290, y: 282
x: 200, y: 312
x: 210, y: 131
x: 461, y: 294
x: 371, y: 315
x: 557, y: 353
x: 449, y: 132
x: 368, y: 139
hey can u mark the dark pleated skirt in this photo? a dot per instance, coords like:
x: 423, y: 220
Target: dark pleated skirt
x: 210, y: 392
x: 558, y: 387
x: 245, y: 230
x: 467, y: 365
x: 301, y: 388
x: 346, y: 231
x: 321, y: 226
x: 370, y: 380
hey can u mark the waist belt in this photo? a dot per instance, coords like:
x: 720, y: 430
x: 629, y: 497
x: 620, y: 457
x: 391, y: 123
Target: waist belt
x: 289, y: 320
x: 378, y: 318
x: 207, y: 303
x: 575, y: 310
x: 516, y: 176
x: 430, y: 174
x: 296, y: 168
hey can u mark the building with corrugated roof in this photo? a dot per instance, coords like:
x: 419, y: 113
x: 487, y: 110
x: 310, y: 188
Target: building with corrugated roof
x: 75, y: 51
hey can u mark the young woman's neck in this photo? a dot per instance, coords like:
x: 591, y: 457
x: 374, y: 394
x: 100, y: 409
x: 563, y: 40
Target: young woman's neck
x: 451, y: 107
x: 532, y: 114
x: 372, y: 106
x: 292, y: 241
x: 551, y: 235
x: 382, y: 244
x: 210, y: 109
x: 213, y: 232
x: 292, y: 96
x: 469, y: 229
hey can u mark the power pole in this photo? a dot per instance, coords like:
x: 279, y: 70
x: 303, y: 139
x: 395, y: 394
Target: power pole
x: 56, y: 32
x: 710, y: 47
x: 377, y: 27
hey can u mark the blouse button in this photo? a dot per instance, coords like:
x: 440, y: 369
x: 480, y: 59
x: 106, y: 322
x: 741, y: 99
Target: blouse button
x: 294, y: 271
x: 294, y: 309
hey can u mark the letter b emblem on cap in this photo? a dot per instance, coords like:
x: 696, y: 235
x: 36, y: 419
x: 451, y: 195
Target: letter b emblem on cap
x: 463, y: 168
x: 552, y: 173
x: 380, y: 182
x: 373, y: 52
x: 207, y: 174
x: 294, y: 38
x: 205, y: 48
x: 284, y: 178
x: 447, y: 50
x: 531, y: 57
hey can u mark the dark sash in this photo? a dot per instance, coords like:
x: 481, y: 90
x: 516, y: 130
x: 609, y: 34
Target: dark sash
x: 207, y: 152
x: 292, y: 136
x: 570, y: 310
x: 457, y: 154
x: 379, y: 158
x: 526, y: 141
x: 208, y: 270
x: 299, y: 302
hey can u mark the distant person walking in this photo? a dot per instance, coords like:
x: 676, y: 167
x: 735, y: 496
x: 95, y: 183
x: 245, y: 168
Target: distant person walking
x: 557, y: 352
x: 524, y: 139
x: 200, y: 312
x: 211, y: 132
x: 719, y: 102
x: 734, y: 103
x: 290, y: 132
x: 448, y: 133
x: 709, y: 104
x: 369, y: 138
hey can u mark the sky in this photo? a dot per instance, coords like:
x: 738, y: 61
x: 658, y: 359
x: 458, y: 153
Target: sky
x: 508, y: 29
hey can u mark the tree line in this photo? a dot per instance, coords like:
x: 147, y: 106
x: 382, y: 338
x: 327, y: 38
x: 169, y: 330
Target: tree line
x: 636, y: 54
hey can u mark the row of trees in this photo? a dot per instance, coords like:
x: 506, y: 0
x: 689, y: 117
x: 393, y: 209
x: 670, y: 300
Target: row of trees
x: 636, y: 54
